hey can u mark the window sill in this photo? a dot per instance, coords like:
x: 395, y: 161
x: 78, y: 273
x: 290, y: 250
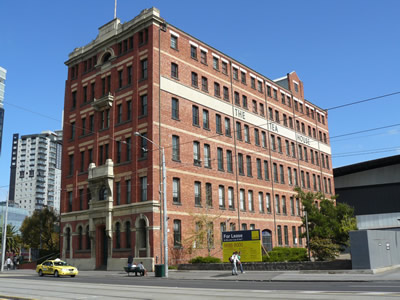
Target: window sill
x: 177, y: 203
x: 176, y: 160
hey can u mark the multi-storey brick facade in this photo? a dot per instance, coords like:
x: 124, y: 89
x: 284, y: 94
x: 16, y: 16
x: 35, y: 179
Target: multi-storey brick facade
x: 236, y: 143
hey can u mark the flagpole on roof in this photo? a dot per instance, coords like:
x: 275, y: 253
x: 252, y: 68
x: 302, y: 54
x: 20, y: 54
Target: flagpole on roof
x: 115, y: 9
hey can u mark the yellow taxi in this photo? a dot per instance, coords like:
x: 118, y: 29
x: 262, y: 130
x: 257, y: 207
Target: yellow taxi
x: 56, y: 267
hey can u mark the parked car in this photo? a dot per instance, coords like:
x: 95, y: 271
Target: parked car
x: 56, y: 267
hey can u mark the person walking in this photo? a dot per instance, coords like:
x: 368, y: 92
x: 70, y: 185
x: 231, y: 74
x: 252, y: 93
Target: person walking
x: 8, y: 263
x: 240, y: 263
x: 15, y: 261
x: 234, y: 259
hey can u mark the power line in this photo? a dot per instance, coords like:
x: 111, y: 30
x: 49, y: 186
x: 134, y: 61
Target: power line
x: 362, y: 101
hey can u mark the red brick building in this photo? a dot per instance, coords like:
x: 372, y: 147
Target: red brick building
x: 236, y: 143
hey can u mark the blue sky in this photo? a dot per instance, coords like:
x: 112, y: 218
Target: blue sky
x: 344, y: 51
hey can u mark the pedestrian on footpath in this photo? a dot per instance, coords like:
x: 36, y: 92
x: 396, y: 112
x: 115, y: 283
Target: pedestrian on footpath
x: 234, y: 259
x: 8, y: 263
x: 240, y: 263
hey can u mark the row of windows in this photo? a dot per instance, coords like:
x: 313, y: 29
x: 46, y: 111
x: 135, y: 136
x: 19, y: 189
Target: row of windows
x: 275, y: 142
x: 124, y: 79
x: 271, y: 92
x: 273, y: 115
x: 122, y: 47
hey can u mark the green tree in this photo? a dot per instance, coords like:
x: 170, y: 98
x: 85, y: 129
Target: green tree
x: 329, y: 224
x: 13, y: 240
x: 39, y: 230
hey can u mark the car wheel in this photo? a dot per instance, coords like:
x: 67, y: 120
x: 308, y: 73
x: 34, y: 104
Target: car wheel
x: 56, y: 274
x: 72, y: 275
x: 40, y: 273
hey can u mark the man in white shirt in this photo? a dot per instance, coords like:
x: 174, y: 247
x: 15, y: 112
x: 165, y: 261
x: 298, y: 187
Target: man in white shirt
x: 234, y: 260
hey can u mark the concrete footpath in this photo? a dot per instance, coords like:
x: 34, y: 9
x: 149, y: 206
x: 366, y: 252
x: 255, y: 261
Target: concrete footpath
x: 306, y: 276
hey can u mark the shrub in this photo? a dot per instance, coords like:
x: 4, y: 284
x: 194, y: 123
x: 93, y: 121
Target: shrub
x: 281, y: 254
x: 324, y: 249
x: 204, y: 260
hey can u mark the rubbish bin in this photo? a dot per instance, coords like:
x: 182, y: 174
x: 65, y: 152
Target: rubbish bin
x: 160, y: 270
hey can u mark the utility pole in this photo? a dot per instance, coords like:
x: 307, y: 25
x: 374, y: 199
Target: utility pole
x: 3, y: 244
x: 308, y: 237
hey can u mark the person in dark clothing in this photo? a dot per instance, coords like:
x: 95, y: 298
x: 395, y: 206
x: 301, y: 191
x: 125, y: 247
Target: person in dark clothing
x: 130, y: 261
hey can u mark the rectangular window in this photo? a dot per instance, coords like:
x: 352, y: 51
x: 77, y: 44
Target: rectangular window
x: 243, y: 77
x: 120, y: 78
x: 279, y: 144
x: 282, y: 175
x: 253, y: 82
x: 143, y: 64
x: 74, y: 99
x: 249, y: 167
x: 229, y: 161
x: 143, y: 146
x: 268, y: 202
x: 143, y: 188
x: 118, y: 159
x: 177, y: 233
x: 275, y: 94
x: 240, y: 164
x: 290, y: 180
x: 294, y: 235
x: 259, y: 171
x: 119, y: 113
x: 277, y: 204
x: 277, y: 116
x: 308, y: 179
x: 227, y: 127
x: 204, y: 84
x: 298, y: 206
x: 221, y: 196
x: 256, y: 137
x: 203, y: 57
x: 300, y: 238
x: 195, y: 80
x: 128, y: 149
x: 241, y: 200
x: 218, y: 124
x: 303, y: 185
x: 196, y: 154
x: 246, y: 134
x: 129, y: 69
x: 259, y: 83
x: 207, y: 156
x: 193, y: 52
x: 118, y: 192
x: 82, y: 169
x: 238, y: 131
x: 262, y: 112
x: 226, y: 93
x: 128, y: 191
x: 261, y: 202
x: 93, y: 89
x: 237, y: 98
x: 175, y: 109
x: 72, y: 126
x: 174, y: 42
x: 292, y: 206
x: 220, y: 156
x: 195, y: 116
x: 235, y: 74
x: 266, y: 170
x: 286, y: 232
x: 71, y: 165
x: 250, y: 200
x: 224, y: 67
x: 197, y: 193
x: 217, y: 92
x: 275, y: 172
x: 279, y: 231
x: 244, y: 101
x: 209, y: 194
x: 231, y: 198
x: 175, y: 148
x: 215, y: 63
x: 287, y: 148
x: 128, y: 110
x: 174, y: 71
x: 206, y: 121
x: 70, y: 201
x: 143, y: 105
x: 263, y: 139
x: 176, y: 190
x: 284, y: 209
x: 268, y: 91
x: 272, y: 141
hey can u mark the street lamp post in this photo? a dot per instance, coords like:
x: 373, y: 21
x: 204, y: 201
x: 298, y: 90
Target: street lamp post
x: 308, y: 236
x: 4, y: 241
x: 165, y: 220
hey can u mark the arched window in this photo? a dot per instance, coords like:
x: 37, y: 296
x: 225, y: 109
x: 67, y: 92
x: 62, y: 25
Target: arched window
x: 267, y: 239
x: 118, y: 235
x: 141, y: 241
x: 106, y: 57
x: 67, y: 238
x: 103, y: 193
x: 87, y: 238
x: 80, y: 238
x: 128, y: 234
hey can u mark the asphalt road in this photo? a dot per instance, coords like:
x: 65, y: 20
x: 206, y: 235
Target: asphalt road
x: 120, y: 286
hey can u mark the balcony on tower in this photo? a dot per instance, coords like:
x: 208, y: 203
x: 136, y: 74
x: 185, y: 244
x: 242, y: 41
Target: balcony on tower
x: 104, y: 102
